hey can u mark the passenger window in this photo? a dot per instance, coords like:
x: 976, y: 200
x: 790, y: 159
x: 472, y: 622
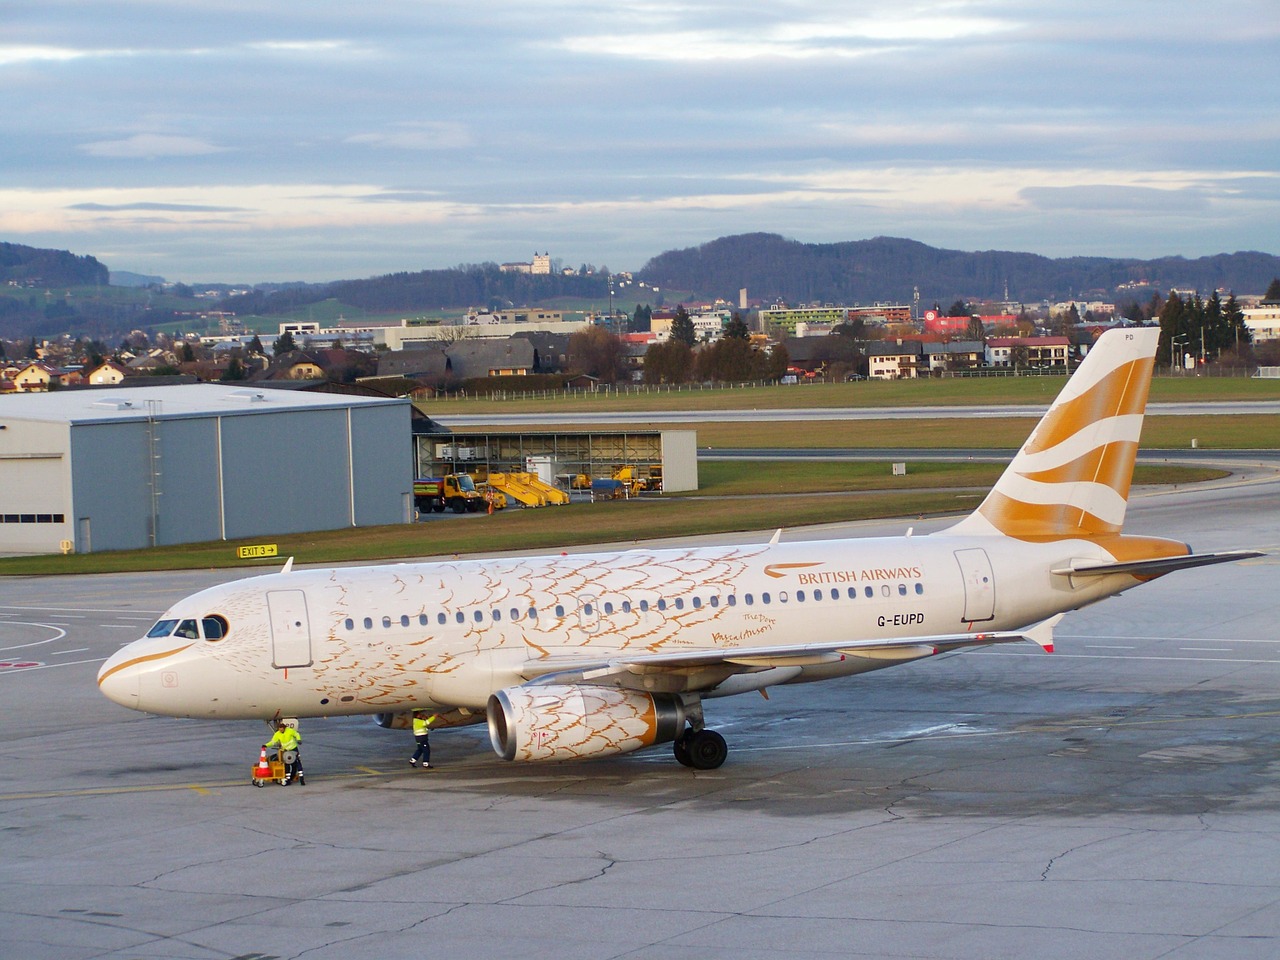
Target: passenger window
x: 732, y: 600
x: 422, y: 619
x: 497, y: 615
x: 440, y: 617
x: 919, y: 588
x: 368, y: 623
x: 800, y: 596
x: 749, y: 599
x: 586, y: 609
x: 715, y: 600
x: 386, y: 622
x: 163, y: 628
x: 697, y: 602
x: 460, y: 617
x: 533, y: 613
x: 764, y: 598
x: 835, y: 594
x: 404, y: 619
x: 884, y: 589
x: 478, y: 615
x: 868, y: 591
x: 662, y: 604
x: 608, y: 608
x: 679, y: 603
x: 515, y: 614
x: 644, y: 606
x: 626, y: 606
x: 902, y: 589
x: 349, y: 624
x: 559, y: 610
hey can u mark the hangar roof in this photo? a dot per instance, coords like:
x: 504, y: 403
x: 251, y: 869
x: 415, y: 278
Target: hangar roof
x: 112, y: 404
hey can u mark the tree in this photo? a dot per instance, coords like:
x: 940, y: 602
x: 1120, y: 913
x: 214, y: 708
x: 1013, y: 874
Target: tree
x: 642, y: 319
x: 1273, y: 292
x: 682, y: 328
x: 854, y: 329
x: 255, y: 345
x: 284, y: 344
x: 668, y: 362
x: 958, y: 309
x: 235, y: 371
x: 597, y: 352
x: 736, y: 329
x: 728, y: 360
x: 188, y: 355
x: 1233, y: 321
x: 975, y: 330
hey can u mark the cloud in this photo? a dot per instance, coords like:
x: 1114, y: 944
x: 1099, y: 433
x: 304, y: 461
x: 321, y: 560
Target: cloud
x: 424, y: 135
x: 148, y: 146
x: 148, y: 205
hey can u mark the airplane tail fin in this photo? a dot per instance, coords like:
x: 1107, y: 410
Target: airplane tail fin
x: 1071, y: 478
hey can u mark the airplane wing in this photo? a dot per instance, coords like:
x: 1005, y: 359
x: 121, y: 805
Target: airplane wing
x: 1156, y: 567
x: 725, y: 662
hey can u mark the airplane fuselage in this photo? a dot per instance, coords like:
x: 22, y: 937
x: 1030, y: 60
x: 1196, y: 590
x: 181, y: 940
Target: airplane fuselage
x: 390, y: 638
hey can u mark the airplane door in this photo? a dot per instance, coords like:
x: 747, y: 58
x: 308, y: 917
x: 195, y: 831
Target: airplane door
x: 979, y: 585
x: 589, y: 614
x: 290, y: 629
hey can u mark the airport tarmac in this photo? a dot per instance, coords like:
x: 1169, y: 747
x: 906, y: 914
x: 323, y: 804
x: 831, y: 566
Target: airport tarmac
x: 1118, y: 798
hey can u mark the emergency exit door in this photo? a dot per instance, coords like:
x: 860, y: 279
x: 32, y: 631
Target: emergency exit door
x: 979, y: 585
x: 290, y: 630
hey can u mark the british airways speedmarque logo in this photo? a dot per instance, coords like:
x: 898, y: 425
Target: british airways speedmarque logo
x: 780, y: 570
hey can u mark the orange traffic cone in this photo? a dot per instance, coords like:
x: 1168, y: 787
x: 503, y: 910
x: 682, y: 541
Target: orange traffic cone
x: 263, y: 770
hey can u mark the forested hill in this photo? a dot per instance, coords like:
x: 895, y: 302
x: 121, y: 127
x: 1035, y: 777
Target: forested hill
x: 50, y: 267
x: 482, y: 286
x: 888, y: 269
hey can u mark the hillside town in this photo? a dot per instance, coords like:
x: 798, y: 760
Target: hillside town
x: 534, y: 348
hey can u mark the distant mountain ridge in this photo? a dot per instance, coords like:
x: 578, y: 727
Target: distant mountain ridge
x: 55, y: 267
x: 889, y: 269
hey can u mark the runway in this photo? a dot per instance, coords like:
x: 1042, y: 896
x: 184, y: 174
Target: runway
x: 1118, y: 798
x: 933, y: 412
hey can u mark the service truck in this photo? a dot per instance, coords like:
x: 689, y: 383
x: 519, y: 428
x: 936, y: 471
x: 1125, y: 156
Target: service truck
x: 457, y: 491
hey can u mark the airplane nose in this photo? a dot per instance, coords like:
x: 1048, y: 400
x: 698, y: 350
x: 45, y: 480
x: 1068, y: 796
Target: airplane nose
x: 120, y: 680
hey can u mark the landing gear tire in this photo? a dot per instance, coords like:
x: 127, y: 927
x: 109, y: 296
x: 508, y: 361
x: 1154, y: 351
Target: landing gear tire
x: 681, y: 748
x: 700, y: 749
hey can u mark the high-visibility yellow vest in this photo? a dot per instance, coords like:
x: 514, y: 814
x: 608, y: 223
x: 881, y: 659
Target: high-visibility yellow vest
x: 286, y: 738
x: 421, y: 725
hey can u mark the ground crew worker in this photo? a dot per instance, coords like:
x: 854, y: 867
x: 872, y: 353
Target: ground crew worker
x: 422, y: 722
x: 286, y: 741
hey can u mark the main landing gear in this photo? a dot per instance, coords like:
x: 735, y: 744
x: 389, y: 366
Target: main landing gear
x: 701, y: 749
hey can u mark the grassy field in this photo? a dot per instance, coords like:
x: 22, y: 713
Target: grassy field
x: 877, y: 393
x: 735, y: 496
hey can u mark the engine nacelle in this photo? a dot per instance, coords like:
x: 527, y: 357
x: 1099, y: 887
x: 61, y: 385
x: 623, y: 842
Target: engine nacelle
x: 572, y: 722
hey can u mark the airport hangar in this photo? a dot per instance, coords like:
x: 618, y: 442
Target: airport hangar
x: 116, y: 469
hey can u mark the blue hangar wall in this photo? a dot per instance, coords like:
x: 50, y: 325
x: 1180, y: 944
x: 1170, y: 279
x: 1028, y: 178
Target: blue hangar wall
x: 230, y: 475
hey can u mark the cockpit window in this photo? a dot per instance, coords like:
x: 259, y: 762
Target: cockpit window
x: 215, y: 628
x: 187, y: 630
x: 162, y: 629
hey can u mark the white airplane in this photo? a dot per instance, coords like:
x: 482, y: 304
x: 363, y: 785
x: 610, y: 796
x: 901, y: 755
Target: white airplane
x: 593, y: 655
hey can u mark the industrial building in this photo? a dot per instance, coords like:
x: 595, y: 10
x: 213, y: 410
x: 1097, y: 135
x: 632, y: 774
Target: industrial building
x: 112, y: 469
x: 666, y: 459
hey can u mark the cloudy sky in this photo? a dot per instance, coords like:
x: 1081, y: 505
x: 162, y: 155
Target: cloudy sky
x: 247, y: 141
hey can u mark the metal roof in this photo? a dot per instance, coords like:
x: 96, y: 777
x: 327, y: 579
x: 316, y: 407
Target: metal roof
x: 111, y: 404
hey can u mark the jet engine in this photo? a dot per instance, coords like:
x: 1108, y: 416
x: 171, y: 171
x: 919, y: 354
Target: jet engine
x: 566, y: 722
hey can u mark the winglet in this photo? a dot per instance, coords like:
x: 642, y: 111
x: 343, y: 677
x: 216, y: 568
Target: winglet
x: 777, y: 535
x: 1042, y: 633
x: 288, y: 565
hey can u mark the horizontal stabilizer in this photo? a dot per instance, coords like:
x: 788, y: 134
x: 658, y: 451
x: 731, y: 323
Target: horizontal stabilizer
x: 1042, y: 633
x: 1155, y: 567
